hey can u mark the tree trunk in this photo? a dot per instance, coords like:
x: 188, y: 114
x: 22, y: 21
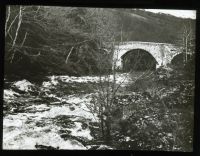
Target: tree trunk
x: 101, y: 122
x: 186, y: 50
x: 16, y: 33
x: 108, y: 130
x: 102, y: 128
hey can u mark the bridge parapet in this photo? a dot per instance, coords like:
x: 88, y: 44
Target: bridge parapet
x: 140, y: 42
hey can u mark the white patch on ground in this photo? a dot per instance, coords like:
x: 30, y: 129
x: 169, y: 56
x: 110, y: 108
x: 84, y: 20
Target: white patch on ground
x: 23, y: 85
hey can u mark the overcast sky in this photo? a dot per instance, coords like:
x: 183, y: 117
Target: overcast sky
x: 178, y: 13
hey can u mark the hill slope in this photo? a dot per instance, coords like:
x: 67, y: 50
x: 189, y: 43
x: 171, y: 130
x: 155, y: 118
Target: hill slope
x: 140, y: 25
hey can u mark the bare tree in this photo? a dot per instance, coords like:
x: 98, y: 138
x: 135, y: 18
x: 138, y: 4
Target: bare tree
x: 186, y: 38
x: 16, y: 17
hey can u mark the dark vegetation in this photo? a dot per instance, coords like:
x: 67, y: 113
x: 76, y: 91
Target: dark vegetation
x: 149, y: 116
x: 55, y: 40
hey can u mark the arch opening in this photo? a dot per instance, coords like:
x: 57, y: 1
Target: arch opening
x: 138, y: 60
x: 178, y: 60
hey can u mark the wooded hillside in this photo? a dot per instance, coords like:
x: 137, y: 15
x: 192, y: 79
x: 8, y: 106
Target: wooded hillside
x: 70, y: 40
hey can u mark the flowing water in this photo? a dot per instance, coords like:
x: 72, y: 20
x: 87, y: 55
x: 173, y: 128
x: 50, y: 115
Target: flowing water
x: 54, y: 114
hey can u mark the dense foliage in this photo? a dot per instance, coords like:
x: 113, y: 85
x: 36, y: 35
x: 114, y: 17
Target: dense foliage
x: 56, y: 40
x: 149, y: 116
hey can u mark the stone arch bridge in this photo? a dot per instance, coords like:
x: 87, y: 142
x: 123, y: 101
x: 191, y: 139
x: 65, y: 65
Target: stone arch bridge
x: 163, y: 53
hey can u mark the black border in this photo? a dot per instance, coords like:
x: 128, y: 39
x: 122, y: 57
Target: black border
x: 159, y: 4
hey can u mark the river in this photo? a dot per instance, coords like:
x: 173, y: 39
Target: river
x: 44, y: 115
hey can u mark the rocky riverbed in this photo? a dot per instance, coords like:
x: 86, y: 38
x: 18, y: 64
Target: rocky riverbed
x: 54, y: 114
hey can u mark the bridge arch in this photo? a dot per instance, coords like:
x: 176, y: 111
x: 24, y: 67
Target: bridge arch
x: 138, y: 59
x: 162, y: 52
x: 178, y: 59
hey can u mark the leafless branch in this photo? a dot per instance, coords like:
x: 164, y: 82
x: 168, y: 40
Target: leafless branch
x: 69, y: 55
x: 11, y: 24
x: 24, y: 40
x: 16, y: 33
x: 7, y: 19
x: 18, y: 26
